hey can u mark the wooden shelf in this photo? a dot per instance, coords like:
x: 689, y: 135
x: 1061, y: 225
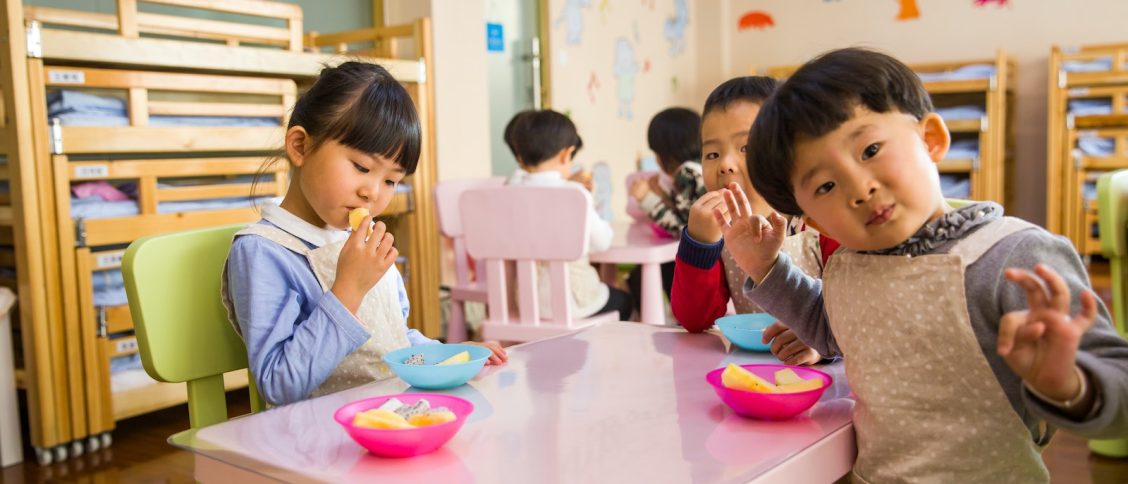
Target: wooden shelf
x: 1086, y: 79
x: 160, y: 395
x: 1067, y: 210
x: 1103, y: 163
x: 965, y: 125
x: 953, y: 87
x: 7, y: 216
x: 79, y: 140
x: 112, y: 50
x: 400, y: 204
x: 1100, y: 121
x: 956, y: 166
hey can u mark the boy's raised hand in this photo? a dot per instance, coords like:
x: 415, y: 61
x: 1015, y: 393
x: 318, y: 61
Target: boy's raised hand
x: 364, y: 260
x: 753, y: 241
x: 703, y: 226
x: 1040, y: 343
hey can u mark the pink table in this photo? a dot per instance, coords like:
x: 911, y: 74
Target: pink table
x: 618, y: 402
x: 637, y: 243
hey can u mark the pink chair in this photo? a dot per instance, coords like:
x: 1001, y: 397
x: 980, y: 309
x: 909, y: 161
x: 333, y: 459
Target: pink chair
x: 527, y: 225
x: 447, y: 194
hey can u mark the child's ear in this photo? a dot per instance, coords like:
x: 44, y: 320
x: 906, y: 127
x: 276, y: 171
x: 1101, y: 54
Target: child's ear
x: 937, y: 139
x: 296, y: 141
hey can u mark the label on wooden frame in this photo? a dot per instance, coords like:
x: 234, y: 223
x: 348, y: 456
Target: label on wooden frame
x: 126, y: 345
x: 59, y: 76
x: 108, y: 259
x: 91, y: 171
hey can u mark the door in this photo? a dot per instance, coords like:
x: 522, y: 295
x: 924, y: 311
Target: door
x: 514, y: 69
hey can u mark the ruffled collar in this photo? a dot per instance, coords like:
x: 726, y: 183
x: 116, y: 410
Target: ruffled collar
x: 953, y: 225
x: 316, y: 236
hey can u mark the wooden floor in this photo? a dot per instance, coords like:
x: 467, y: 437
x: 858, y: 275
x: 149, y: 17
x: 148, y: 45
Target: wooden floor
x: 140, y: 453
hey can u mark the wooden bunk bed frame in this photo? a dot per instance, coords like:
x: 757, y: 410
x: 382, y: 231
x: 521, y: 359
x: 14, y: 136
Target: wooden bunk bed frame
x: 103, y: 329
x: 1068, y: 169
x: 989, y: 174
x: 66, y: 371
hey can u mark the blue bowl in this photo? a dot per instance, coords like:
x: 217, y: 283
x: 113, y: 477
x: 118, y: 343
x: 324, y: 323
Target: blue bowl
x: 746, y: 330
x: 430, y: 376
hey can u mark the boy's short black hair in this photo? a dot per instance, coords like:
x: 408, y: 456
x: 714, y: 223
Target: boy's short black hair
x: 816, y: 100
x: 539, y: 135
x: 674, y: 135
x: 753, y: 89
x: 510, y: 128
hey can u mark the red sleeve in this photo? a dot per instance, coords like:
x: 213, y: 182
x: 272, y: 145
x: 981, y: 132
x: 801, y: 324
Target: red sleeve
x: 698, y: 296
x: 828, y: 246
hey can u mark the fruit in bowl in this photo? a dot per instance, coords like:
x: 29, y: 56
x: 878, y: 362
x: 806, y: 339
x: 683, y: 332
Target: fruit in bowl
x: 404, y: 425
x: 439, y: 366
x: 768, y: 391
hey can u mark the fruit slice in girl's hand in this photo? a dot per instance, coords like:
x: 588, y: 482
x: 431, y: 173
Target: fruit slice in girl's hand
x: 356, y: 216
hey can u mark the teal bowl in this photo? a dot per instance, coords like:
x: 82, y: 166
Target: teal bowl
x: 746, y: 330
x: 430, y: 376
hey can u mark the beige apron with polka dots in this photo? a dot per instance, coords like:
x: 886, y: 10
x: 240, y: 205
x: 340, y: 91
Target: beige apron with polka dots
x: 929, y: 408
x: 802, y: 248
x: 379, y: 312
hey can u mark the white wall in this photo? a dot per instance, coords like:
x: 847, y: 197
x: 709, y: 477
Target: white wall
x: 630, y: 85
x: 461, y: 106
x: 946, y: 30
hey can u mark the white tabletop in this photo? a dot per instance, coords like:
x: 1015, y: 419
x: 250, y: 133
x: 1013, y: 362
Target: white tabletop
x: 619, y: 402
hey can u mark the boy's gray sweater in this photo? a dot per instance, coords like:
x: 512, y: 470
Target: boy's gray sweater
x: 797, y: 299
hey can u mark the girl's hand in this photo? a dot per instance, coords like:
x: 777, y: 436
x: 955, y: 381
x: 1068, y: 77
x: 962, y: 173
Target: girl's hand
x: 1040, y: 344
x: 362, y: 263
x: 583, y: 177
x: 499, y: 355
x: 640, y: 188
x: 753, y: 241
x: 702, y: 226
x: 788, y: 348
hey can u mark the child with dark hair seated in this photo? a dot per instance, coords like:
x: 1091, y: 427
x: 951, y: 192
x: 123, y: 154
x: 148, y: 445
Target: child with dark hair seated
x: 966, y: 335
x: 544, y: 143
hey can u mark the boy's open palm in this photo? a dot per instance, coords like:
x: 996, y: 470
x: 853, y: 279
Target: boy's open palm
x: 363, y: 262
x: 753, y: 241
x: 1040, y: 344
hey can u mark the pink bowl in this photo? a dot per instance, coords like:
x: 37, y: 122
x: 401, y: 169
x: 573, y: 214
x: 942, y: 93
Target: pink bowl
x: 769, y: 406
x: 404, y: 442
x: 660, y: 232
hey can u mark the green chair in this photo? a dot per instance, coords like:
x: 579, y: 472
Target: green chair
x: 182, y: 329
x: 958, y: 202
x: 1112, y: 217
